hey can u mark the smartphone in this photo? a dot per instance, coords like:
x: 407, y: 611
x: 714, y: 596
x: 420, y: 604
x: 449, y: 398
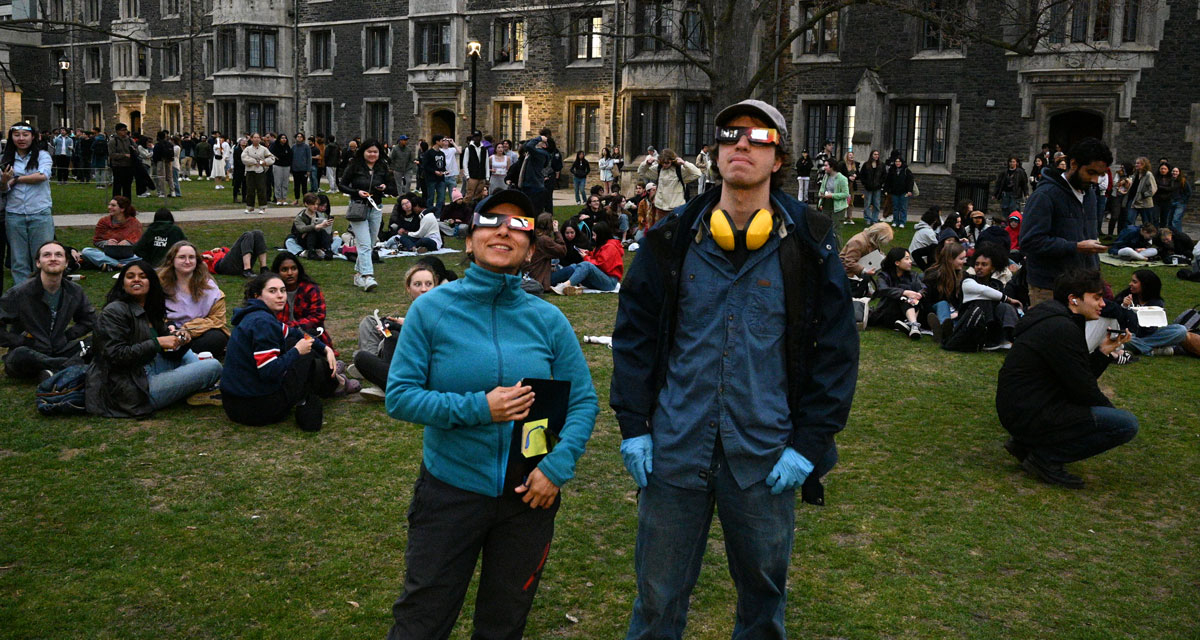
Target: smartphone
x: 1114, y: 334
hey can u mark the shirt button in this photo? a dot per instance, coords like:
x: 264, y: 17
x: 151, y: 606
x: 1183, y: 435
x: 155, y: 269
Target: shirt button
x: 712, y: 424
x: 691, y: 276
x: 726, y: 354
x: 731, y: 317
x: 721, y: 389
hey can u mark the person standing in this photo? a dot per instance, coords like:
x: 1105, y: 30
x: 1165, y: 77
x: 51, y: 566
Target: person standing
x: 220, y: 153
x: 367, y: 180
x: 433, y: 165
x: 835, y: 194
x: 498, y: 164
x: 1046, y: 392
x: 401, y: 158
x: 871, y: 175
x: 898, y: 183
x: 606, y: 169
x: 239, y: 170
x: 257, y: 160
x: 25, y: 180
x: 453, y: 163
x: 1141, y: 195
x: 735, y: 358
x: 332, y: 158
x: 804, y: 169
x: 162, y: 157
x: 476, y: 165
x: 849, y: 167
x: 122, y: 158
x: 579, y: 173
x: 281, y: 169
x: 1059, y: 226
x: 204, y: 154
x: 301, y: 166
x: 63, y: 146
x: 318, y: 163
x: 99, y: 158
x: 475, y: 497
x: 1164, y: 191
x: 534, y: 163
x: 1012, y: 186
x: 704, y: 164
x: 83, y: 156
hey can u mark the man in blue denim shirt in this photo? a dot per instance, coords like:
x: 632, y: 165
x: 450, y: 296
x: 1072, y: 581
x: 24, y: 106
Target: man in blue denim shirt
x: 735, y: 360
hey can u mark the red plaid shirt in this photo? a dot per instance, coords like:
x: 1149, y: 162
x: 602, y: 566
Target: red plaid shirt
x: 309, y: 311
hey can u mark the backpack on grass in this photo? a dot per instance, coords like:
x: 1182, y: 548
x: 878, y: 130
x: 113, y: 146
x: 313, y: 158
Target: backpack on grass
x: 62, y: 394
x: 1190, y: 319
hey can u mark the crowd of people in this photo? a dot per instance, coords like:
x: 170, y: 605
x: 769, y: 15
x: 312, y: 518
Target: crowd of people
x: 734, y: 348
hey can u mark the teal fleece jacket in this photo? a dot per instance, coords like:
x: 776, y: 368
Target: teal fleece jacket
x: 460, y: 341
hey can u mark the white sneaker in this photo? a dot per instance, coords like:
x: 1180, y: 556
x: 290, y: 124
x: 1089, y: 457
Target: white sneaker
x: 1162, y: 351
x: 262, y: 210
x: 999, y: 346
x: 249, y: 210
x: 558, y: 288
x: 369, y: 283
x: 373, y: 394
x: 219, y: 187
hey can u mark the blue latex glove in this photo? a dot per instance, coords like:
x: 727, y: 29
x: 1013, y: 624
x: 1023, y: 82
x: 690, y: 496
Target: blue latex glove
x: 638, y: 458
x: 790, y: 472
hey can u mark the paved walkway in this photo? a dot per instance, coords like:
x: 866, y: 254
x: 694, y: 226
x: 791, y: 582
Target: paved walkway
x: 562, y: 197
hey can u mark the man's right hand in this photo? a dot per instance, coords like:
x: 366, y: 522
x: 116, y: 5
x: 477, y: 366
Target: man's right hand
x: 1090, y: 246
x: 638, y: 456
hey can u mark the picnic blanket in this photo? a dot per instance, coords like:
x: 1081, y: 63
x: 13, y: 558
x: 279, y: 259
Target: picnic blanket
x: 1115, y: 261
x: 617, y: 290
x: 396, y: 253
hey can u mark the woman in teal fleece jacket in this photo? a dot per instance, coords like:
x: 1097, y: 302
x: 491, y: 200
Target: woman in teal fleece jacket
x: 465, y: 348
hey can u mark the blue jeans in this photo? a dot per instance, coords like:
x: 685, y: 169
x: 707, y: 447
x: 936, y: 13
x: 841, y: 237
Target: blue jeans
x: 97, y: 257
x: 440, y: 193
x: 1175, y: 219
x: 559, y: 276
x: 1114, y: 427
x: 365, y: 233
x: 1167, y: 336
x: 672, y: 536
x: 1148, y: 214
x: 589, y: 276
x: 314, y: 179
x: 27, y: 232
x: 174, y: 380
x: 872, y: 200
x: 1008, y: 203
x: 581, y: 195
x: 943, y: 310
x: 899, y: 209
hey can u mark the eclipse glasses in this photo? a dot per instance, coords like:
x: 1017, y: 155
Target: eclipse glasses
x: 761, y: 136
x: 490, y: 220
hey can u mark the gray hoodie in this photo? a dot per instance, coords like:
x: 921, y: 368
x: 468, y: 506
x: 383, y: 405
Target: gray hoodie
x: 924, y: 237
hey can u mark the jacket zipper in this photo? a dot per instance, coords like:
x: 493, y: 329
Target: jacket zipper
x: 499, y: 381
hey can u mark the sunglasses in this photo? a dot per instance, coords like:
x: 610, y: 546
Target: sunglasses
x: 760, y: 136
x: 517, y: 223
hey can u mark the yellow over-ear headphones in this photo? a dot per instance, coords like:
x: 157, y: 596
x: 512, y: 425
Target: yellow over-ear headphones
x: 757, y: 232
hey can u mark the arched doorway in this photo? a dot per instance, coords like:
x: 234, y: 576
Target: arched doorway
x: 1069, y: 127
x: 135, y: 123
x: 441, y: 122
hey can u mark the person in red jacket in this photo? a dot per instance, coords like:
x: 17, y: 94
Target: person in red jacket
x: 1014, y: 231
x: 115, y: 235
x: 601, y: 269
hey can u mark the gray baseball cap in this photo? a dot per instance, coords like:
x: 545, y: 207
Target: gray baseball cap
x: 756, y: 108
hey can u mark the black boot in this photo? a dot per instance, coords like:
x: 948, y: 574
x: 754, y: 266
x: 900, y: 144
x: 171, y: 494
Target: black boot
x: 1051, y: 473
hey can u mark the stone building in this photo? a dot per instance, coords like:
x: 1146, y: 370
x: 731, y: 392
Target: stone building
x: 866, y: 77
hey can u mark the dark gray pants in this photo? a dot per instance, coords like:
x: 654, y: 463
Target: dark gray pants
x: 252, y: 243
x: 24, y: 362
x: 448, y: 529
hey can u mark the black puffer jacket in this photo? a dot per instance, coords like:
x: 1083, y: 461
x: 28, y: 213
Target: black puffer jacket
x: 1047, y: 385
x: 357, y: 177
x: 124, y: 342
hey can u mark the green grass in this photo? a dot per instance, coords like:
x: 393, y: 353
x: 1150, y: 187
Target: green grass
x: 186, y: 526
x: 73, y: 198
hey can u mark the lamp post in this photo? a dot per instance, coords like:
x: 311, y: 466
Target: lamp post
x: 64, y: 65
x: 473, y: 49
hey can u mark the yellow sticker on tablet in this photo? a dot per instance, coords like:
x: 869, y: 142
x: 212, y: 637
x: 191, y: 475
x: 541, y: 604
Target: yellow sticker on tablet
x: 533, y: 438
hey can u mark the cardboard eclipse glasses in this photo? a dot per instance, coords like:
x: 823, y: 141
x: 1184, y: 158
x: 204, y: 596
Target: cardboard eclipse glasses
x: 761, y: 136
x: 490, y: 220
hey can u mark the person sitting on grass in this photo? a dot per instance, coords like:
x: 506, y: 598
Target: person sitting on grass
x: 269, y: 370
x: 985, y: 291
x: 305, y: 304
x: 952, y: 229
x: 899, y: 291
x: 548, y: 246
x: 876, y: 237
x: 600, y: 270
x: 923, y: 246
x: 375, y: 345
x: 574, y: 253
x: 586, y: 220
x: 311, y: 234
x: 115, y: 235
x: 44, y: 318
x: 250, y: 247
x: 194, y: 301
x: 1145, y: 290
x: 1135, y: 243
x: 161, y: 235
x: 1046, y: 392
x: 943, y: 290
x: 416, y: 228
x: 140, y: 364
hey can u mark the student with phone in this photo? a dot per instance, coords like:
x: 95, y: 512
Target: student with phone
x: 465, y: 349
x: 1047, y: 397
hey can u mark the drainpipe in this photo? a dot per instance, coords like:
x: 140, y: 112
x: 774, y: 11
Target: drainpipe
x: 616, y: 82
x: 296, y: 65
x: 775, y: 64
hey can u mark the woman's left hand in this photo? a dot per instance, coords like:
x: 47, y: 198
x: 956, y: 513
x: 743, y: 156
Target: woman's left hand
x: 539, y: 491
x: 331, y: 359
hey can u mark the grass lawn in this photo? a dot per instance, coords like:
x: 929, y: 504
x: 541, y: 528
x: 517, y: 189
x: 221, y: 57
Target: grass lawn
x: 186, y: 526
x: 86, y: 198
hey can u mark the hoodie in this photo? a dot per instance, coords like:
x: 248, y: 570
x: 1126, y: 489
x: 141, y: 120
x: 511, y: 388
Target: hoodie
x: 1047, y: 386
x: 1014, y: 235
x: 924, y: 237
x: 156, y: 240
x: 260, y: 352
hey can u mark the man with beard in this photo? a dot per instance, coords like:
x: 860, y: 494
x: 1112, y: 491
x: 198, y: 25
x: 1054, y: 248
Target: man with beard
x: 1058, y: 232
x: 39, y: 341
